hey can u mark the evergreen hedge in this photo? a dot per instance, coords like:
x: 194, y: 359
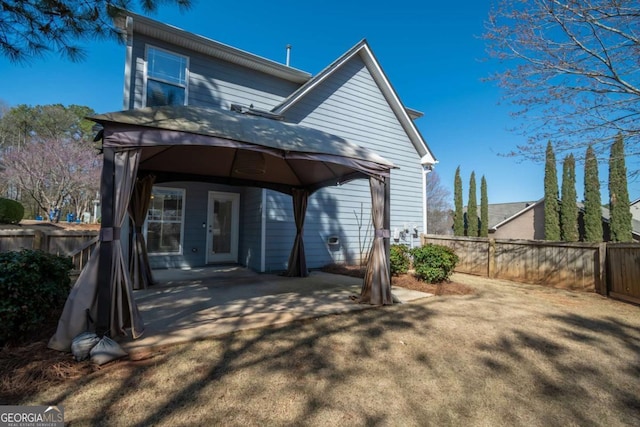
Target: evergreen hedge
x: 11, y: 212
x: 433, y: 263
x: 33, y: 288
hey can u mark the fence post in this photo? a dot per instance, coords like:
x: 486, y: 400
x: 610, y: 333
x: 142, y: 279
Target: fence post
x: 602, y: 286
x: 491, y: 259
x: 41, y: 241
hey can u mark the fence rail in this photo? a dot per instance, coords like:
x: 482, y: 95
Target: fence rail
x: 72, y: 243
x: 607, y: 268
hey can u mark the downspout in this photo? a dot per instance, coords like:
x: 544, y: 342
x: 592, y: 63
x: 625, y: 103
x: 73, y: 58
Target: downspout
x: 427, y: 167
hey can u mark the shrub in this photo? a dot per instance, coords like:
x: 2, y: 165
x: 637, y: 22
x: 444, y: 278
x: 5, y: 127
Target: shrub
x: 400, y: 259
x: 33, y: 288
x: 11, y: 212
x: 433, y: 263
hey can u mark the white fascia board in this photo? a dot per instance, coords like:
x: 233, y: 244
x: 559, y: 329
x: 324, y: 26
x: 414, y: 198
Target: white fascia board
x: 396, y: 105
x: 127, y: 35
x: 428, y: 160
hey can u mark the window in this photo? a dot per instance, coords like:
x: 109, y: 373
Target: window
x: 166, y: 78
x: 165, y: 221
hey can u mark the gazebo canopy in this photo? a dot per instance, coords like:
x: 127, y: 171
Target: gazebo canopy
x: 175, y: 143
x: 207, y: 144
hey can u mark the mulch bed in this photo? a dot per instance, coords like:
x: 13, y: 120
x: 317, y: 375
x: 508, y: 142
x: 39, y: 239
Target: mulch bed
x: 407, y: 281
x: 29, y: 366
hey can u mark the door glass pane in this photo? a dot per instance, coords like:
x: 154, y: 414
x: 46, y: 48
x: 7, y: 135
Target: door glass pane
x: 222, y: 217
x: 164, y: 221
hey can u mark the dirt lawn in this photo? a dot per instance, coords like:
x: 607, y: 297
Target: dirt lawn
x: 509, y: 354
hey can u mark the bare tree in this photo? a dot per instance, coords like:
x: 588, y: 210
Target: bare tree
x: 31, y: 28
x: 55, y: 174
x: 47, y: 157
x: 439, y: 209
x: 573, y: 71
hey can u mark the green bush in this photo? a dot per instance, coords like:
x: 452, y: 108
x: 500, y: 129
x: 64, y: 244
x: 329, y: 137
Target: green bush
x: 11, y: 212
x: 433, y: 263
x: 400, y: 259
x: 33, y: 288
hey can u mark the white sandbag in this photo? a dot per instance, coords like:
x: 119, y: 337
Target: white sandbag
x: 82, y: 344
x: 106, y: 350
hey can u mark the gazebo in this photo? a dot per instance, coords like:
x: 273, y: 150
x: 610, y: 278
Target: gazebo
x: 245, y: 147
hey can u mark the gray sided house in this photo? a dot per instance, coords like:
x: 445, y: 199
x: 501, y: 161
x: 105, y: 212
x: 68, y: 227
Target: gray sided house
x: 525, y: 220
x: 194, y: 223
x: 221, y: 156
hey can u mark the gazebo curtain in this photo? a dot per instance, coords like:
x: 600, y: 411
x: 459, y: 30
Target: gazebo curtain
x: 124, y: 310
x: 376, y: 289
x: 139, y: 267
x: 120, y: 170
x: 297, y: 266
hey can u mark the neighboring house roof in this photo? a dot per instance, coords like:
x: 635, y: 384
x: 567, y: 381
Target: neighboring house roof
x: 404, y: 116
x: 635, y: 209
x: 606, y: 217
x: 502, y: 213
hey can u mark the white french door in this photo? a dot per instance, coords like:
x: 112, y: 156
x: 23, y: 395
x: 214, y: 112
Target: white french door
x: 222, y: 227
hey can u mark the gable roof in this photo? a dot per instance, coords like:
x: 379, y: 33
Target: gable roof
x: 129, y: 22
x: 502, y: 213
x: 403, y: 114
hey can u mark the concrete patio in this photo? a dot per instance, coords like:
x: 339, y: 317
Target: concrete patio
x: 188, y: 305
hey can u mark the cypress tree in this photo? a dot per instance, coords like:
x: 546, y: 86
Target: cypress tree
x: 619, y: 205
x: 592, y: 199
x: 472, y: 208
x: 458, y: 216
x: 484, y: 208
x: 568, y: 207
x: 551, y: 218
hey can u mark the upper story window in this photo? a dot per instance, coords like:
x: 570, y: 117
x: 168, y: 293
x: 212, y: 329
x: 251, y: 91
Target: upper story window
x: 166, y: 78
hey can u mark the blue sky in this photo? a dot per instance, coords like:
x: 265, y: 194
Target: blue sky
x: 430, y: 50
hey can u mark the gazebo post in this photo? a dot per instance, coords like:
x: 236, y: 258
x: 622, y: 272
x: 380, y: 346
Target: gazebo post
x: 387, y: 222
x: 105, y: 269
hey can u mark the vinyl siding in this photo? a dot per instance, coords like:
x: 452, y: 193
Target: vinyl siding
x: 280, y: 231
x: 194, y: 244
x: 349, y: 104
x: 250, y: 248
x: 212, y: 82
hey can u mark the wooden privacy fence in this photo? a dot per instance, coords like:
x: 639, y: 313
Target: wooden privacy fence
x: 623, y: 271
x: 606, y: 268
x: 75, y: 244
